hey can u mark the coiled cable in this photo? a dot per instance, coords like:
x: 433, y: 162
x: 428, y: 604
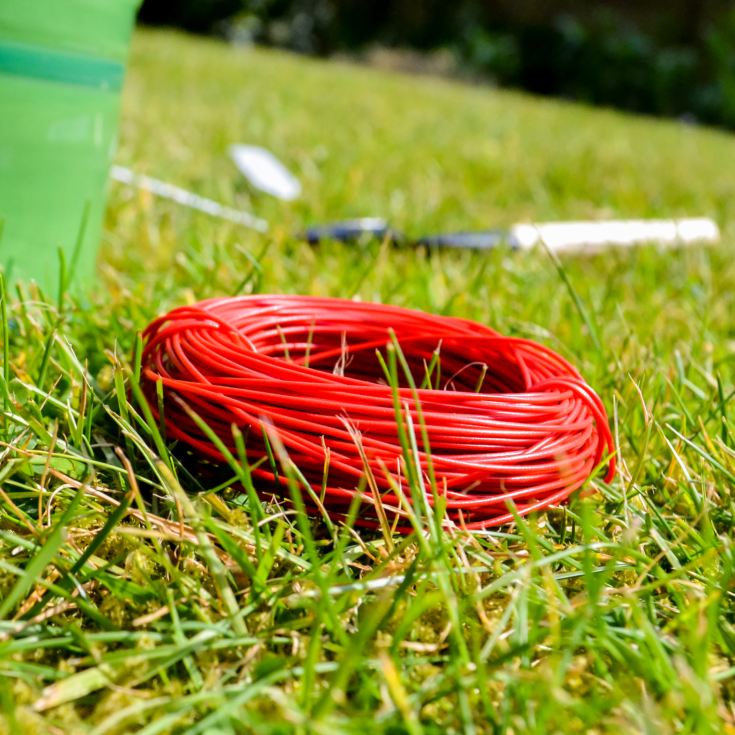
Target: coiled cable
x: 491, y: 419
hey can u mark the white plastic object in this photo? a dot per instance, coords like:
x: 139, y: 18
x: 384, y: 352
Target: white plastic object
x: 265, y: 172
x: 573, y: 237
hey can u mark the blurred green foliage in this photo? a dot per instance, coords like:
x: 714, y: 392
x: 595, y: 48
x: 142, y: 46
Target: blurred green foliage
x: 681, y: 65
x: 199, y: 16
x: 611, y: 62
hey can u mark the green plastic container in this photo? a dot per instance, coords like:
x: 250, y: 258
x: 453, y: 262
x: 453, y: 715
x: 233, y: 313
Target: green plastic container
x: 62, y: 64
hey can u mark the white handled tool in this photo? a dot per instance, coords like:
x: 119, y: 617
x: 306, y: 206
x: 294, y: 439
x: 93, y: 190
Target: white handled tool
x: 559, y: 237
x: 585, y: 237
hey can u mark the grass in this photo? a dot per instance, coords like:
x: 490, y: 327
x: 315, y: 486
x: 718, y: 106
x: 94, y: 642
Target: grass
x: 135, y: 597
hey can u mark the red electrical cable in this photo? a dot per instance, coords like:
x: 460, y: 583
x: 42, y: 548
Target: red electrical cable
x: 506, y: 418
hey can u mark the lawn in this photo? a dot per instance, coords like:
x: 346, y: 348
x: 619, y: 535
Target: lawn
x: 138, y: 597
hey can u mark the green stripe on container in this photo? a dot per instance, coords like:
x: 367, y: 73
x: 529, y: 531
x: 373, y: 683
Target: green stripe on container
x: 37, y: 62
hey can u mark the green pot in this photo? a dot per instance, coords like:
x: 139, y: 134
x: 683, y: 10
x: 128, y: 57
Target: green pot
x: 62, y: 64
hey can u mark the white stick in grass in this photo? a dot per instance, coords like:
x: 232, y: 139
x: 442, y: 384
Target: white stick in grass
x: 182, y: 196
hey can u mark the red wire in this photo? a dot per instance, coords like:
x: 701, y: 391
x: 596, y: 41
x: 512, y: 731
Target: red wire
x: 508, y: 420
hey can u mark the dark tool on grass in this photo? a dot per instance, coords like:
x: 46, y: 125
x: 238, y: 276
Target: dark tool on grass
x: 352, y: 230
x: 559, y: 237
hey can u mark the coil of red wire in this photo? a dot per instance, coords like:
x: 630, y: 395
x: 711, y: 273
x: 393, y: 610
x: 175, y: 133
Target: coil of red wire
x: 506, y: 419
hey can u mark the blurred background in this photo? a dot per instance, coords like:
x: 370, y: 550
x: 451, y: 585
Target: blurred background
x: 671, y: 58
